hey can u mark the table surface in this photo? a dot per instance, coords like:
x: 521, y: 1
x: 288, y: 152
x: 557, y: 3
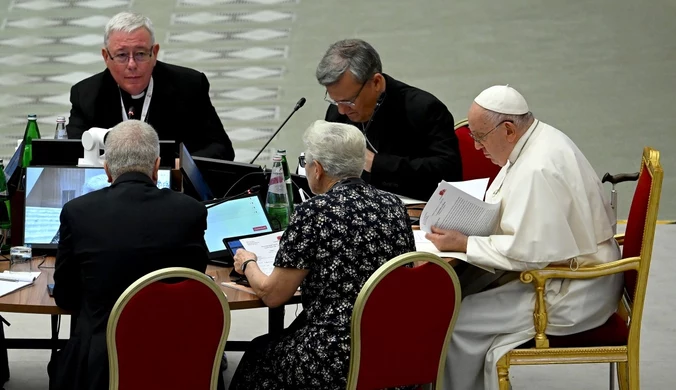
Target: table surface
x: 35, y: 299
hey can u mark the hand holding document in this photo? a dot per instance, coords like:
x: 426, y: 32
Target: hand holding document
x: 459, y: 206
x: 265, y: 247
x: 422, y: 244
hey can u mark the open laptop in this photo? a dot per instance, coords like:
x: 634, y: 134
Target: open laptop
x: 233, y: 218
x: 49, y: 188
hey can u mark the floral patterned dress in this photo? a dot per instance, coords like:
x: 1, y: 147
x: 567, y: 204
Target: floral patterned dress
x: 342, y: 237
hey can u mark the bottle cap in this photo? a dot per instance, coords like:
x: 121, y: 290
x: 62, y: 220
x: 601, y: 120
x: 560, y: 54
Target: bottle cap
x: 60, y: 119
x: 32, y: 116
x: 277, y: 158
x: 281, y: 151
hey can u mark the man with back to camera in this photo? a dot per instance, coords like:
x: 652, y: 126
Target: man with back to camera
x: 553, y: 210
x: 109, y: 239
x: 173, y: 99
x: 411, y: 142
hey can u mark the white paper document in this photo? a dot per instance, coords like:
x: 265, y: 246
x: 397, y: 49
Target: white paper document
x: 452, y: 208
x: 265, y: 247
x: 422, y: 244
x: 12, y: 281
x: 409, y: 201
x: 19, y: 276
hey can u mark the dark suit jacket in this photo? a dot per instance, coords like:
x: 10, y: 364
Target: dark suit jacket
x: 109, y: 239
x: 180, y: 109
x: 414, y: 135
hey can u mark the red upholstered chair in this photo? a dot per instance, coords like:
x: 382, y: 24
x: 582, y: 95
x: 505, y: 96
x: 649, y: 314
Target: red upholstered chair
x: 618, y: 340
x: 402, y: 323
x: 168, y: 335
x: 474, y: 164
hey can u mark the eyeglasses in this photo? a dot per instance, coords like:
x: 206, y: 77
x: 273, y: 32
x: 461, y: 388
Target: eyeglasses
x: 481, y: 138
x: 350, y: 102
x: 139, y: 56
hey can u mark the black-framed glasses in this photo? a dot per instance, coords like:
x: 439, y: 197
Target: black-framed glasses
x: 481, y: 138
x: 350, y: 102
x: 138, y: 56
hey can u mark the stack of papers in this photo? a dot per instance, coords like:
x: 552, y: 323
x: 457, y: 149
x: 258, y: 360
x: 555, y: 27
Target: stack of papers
x: 459, y: 206
x: 12, y: 281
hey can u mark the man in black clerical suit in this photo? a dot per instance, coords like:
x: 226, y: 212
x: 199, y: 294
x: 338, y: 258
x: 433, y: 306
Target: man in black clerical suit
x: 411, y: 142
x: 111, y: 237
x: 173, y: 99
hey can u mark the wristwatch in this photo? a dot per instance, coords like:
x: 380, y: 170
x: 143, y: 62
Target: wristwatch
x: 245, y: 263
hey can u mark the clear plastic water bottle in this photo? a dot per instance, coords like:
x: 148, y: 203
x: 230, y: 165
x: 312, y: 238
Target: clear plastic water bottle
x: 277, y: 201
x: 287, y: 177
x: 60, y: 132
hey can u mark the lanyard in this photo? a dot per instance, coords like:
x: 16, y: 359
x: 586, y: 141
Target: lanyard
x: 146, y: 103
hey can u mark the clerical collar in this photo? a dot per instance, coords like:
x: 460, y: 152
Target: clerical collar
x: 521, y: 143
x: 127, y: 95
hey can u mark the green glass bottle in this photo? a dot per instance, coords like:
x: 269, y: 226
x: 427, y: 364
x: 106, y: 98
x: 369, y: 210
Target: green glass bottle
x: 32, y: 132
x: 287, y: 178
x: 277, y: 202
x: 5, y: 221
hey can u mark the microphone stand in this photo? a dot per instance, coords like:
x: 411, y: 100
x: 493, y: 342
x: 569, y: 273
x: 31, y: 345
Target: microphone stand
x: 299, y: 104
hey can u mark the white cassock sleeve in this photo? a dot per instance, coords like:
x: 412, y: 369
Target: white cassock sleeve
x: 535, y: 227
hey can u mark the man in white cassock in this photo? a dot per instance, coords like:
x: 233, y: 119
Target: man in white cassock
x: 553, y: 211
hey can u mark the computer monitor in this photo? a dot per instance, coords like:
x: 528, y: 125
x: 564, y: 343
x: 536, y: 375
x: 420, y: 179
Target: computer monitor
x: 233, y: 218
x: 229, y: 177
x: 66, y: 152
x: 49, y: 188
x: 193, y: 181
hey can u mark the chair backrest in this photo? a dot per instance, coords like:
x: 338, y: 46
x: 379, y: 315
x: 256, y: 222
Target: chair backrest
x: 165, y: 335
x: 402, y: 323
x: 474, y: 164
x: 640, y: 233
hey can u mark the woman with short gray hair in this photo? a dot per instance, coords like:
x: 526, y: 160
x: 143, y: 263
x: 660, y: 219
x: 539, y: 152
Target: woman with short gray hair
x: 334, y: 242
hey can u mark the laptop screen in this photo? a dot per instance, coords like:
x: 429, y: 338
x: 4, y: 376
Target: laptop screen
x: 49, y: 188
x: 234, y: 218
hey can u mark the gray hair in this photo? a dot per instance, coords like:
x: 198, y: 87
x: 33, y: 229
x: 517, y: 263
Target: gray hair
x: 520, y: 121
x: 128, y: 22
x: 339, y: 147
x: 354, y: 54
x: 131, y: 146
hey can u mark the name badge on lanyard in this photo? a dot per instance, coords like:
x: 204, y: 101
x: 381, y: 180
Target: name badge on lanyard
x: 146, y: 103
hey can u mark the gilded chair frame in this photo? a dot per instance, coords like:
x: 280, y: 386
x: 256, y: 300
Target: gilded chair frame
x: 460, y: 124
x: 140, y: 284
x: 631, y: 311
x: 365, y: 293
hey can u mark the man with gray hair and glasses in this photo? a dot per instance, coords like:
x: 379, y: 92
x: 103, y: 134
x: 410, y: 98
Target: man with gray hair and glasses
x: 173, y: 99
x: 411, y: 142
x: 111, y: 237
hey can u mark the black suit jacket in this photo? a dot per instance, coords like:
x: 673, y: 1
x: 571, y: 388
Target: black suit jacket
x: 109, y: 239
x: 180, y: 109
x: 414, y: 135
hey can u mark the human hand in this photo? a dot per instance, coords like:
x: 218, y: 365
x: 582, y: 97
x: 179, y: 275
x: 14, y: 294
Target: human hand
x: 240, y: 257
x: 448, y: 240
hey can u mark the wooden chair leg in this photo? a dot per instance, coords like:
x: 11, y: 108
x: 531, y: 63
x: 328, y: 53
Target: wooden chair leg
x: 633, y: 372
x: 613, y: 374
x: 503, y: 372
x: 622, y: 379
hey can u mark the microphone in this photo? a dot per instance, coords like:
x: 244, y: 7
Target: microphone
x: 130, y: 114
x: 299, y: 104
x: 251, y: 191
